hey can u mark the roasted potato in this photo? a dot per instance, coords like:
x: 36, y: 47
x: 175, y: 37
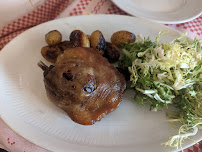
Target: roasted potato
x: 112, y: 52
x: 79, y: 39
x: 122, y: 37
x: 88, y: 37
x: 97, y: 41
x: 66, y: 45
x: 50, y: 53
x: 53, y: 38
x: 125, y: 72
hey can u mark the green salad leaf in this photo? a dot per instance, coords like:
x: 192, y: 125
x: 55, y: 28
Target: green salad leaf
x: 168, y: 74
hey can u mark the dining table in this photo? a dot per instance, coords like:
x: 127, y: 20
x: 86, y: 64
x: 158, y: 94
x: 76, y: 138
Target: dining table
x: 55, y: 9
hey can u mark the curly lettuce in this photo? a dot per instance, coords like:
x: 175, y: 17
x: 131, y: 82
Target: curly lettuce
x: 168, y: 74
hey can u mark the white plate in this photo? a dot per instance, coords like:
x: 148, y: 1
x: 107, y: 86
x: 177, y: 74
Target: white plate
x: 26, y: 109
x: 162, y: 11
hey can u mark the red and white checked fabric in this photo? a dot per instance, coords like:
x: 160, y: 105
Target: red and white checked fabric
x: 53, y: 9
x: 193, y: 28
x: 48, y: 11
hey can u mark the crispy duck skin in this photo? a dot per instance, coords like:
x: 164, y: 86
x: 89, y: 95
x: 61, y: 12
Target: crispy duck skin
x: 84, y: 84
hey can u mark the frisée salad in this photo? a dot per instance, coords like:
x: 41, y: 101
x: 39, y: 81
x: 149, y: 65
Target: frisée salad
x: 164, y: 74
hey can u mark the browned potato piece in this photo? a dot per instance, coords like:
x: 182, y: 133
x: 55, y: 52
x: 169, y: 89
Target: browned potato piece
x: 88, y: 37
x: 97, y: 41
x: 79, y: 39
x: 66, y: 45
x: 122, y: 37
x: 112, y: 52
x: 53, y: 37
x: 125, y: 72
x: 50, y: 53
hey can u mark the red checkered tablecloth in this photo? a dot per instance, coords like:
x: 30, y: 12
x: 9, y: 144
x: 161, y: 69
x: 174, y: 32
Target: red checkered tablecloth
x: 52, y: 9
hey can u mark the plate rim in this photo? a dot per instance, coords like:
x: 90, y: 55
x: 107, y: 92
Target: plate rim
x: 155, y: 20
